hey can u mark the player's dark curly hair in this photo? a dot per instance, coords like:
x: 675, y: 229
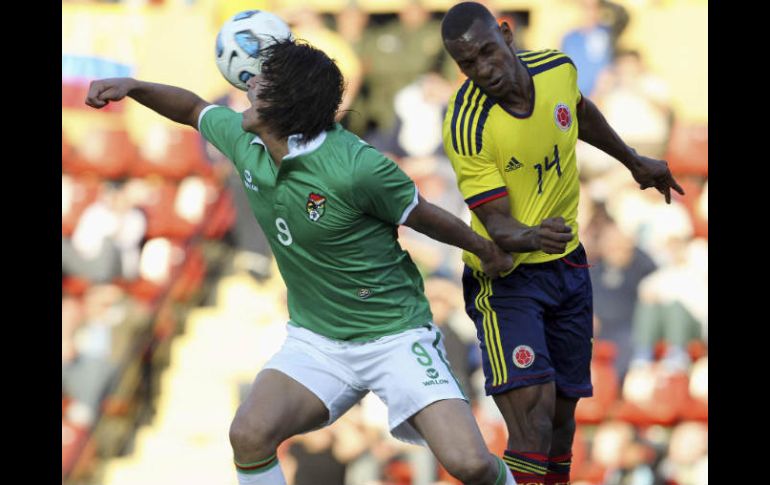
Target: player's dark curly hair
x: 460, y: 17
x: 301, y: 88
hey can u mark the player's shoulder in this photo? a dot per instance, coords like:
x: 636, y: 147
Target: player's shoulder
x: 466, y: 119
x: 349, y: 149
x: 543, y: 60
x: 221, y: 116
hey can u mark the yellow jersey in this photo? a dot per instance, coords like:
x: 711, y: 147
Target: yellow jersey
x: 530, y: 157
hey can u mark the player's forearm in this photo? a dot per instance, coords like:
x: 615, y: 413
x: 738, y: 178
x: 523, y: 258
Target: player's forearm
x: 594, y: 130
x: 444, y: 227
x: 174, y: 103
x: 511, y: 235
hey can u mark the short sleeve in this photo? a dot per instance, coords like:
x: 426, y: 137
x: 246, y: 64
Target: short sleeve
x: 478, y: 176
x: 381, y: 189
x: 221, y: 126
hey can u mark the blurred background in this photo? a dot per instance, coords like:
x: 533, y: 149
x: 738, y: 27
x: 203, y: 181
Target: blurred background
x: 171, y: 302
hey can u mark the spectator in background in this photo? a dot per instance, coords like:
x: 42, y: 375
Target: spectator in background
x: 88, y: 362
x: 318, y: 457
x: 420, y: 107
x: 592, y: 45
x: 106, y: 241
x: 434, y: 179
x: 635, y: 466
x: 637, y: 104
x: 394, y: 55
x: 673, y: 305
x: 351, y: 22
x: 307, y: 24
x: 615, y: 277
x: 687, y: 460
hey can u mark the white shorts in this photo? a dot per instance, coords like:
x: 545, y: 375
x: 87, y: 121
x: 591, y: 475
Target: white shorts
x: 408, y: 371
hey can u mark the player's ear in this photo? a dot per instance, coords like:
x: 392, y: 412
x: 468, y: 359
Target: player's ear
x: 505, y: 29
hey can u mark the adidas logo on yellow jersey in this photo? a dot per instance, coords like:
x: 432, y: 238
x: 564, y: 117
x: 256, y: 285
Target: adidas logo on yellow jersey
x: 513, y: 164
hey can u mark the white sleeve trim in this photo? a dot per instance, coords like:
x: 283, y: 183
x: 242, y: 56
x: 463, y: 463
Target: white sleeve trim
x: 410, y: 207
x: 203, y: 112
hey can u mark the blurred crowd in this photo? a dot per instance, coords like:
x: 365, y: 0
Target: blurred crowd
x: 140, y: 219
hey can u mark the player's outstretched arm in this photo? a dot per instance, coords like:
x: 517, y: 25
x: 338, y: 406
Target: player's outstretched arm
x: 442, y: 226
x: 648, y: 172
x: 550, y: 236
x: 174, y: 103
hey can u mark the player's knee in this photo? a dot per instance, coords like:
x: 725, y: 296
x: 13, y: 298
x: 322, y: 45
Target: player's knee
x: 471, y: 467
x: 252, y: 437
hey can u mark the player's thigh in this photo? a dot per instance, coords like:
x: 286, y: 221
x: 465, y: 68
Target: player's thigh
x: 408, y: 371
x: 569, y: 333
x: 509, y: 318
x: 279, y: 407
x: 451, y: 431
x: 300, y: 389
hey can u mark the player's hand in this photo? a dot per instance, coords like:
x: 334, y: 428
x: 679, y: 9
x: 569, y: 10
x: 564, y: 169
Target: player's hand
x: 495, y: 261
x: 101, y: 92
x: 649, y: 172
x: 552, y: 235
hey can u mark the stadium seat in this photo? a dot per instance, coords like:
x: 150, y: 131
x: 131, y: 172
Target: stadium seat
x: 581, y: 467
x: 67, y: 152
x: 171, y: 153
x: 697, y: 408
x: 74, y: 286
x: 162, y: 219
x: 73, y: 437
x: 222, y: 218
x: 653, y: 396
x: 77, y: 194
x: 179, y: 211
x: 106, y: 152
x: 159, y: 260
x: 688, y: 149
x: 604, y: 378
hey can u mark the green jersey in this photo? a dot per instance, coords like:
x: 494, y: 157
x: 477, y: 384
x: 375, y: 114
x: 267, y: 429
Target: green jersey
x: 330, y: 212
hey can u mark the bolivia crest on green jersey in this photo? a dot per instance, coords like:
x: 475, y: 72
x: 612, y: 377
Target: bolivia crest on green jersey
x: 316, y: 205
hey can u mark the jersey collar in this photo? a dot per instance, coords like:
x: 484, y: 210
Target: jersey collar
x: 295, y: 147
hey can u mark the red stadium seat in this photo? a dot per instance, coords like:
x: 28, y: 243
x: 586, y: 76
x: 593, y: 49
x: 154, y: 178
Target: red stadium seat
x: 73, y: 437
x: 106, y: 152
x: 77, y: 194
x: 604, y: 378
x: 179, y: 211
x: 175, y: 154
x: 67, y: 152
x: 74, y: 286
x: 222, y: 217
x: 581, y: 467
x: 688, y: 149
x: 162, y: 220
x: 653, y: 396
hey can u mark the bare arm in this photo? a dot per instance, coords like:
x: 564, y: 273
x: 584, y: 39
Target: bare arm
x: 174, y: 103
x: 442, y: 226
x: 648, y: 172
x: 550, y: 236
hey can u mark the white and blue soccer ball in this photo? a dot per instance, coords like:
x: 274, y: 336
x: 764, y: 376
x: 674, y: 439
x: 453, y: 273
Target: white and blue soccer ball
x: 240, y: 43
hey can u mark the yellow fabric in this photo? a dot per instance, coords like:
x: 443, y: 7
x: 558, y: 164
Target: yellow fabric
x: 491, y: 149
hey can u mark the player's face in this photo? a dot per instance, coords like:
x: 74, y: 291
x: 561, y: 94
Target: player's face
x: 251, y: 121
x: 485, y: 55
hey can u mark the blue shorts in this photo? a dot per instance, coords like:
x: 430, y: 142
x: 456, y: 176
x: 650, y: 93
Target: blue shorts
x: 535, y: 325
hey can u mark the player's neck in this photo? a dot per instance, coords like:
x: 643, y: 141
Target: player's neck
x: 277, y: 147
x: 520, y: 97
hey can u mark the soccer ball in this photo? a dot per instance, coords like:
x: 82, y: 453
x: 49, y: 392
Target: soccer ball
x: 240, y: 42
